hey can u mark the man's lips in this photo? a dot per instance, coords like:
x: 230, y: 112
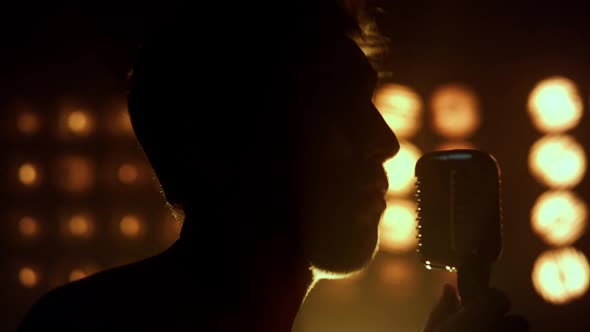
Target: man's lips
x: 378, y: 183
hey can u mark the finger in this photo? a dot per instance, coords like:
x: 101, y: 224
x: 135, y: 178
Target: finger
x: 447, y: 305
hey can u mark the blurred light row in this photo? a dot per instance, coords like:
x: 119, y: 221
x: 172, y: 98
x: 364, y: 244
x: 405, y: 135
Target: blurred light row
x: 77, y: 174
x: 558, y: 216
x: 454, y: 115
x: 73, y: 122
x: 454, y: 110
x: 83, y: 225
x: 30, y: 277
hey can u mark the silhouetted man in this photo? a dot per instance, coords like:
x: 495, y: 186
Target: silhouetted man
x: 262, y: 131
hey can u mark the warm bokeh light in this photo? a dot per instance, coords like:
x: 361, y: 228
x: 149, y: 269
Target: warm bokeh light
x: 128, y: 173
x: 455, y: 111
x: 557, y: 161
x: 79, y: 122
x: 28, y: 174
x: 28, y: 277
x: 559, y: 217
x: 400, y: 169
x: 401, y: 108
x: 455, y: 145
x: 28, y: 226
x: 397, y: 228
x: 555, y: 105
x: 561, y: 275
x: 76, y: 174
x: 80, y: 225
x: 130, y: 226
x: 28, y: 123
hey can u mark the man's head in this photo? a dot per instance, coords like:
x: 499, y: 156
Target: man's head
x: 267, y: 134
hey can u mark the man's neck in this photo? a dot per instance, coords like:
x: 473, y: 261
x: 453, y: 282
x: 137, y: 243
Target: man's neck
x: 260, y: 291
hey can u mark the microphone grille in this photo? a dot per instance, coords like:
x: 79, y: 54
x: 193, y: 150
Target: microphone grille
x: 458, y: 208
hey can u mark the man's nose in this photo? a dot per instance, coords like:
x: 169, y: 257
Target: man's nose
x: 386, y: 145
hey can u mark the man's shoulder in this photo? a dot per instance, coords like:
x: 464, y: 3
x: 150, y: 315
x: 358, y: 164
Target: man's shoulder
x: 101, y: 298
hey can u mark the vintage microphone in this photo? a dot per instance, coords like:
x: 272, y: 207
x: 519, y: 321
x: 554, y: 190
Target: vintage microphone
x: 459, y: 216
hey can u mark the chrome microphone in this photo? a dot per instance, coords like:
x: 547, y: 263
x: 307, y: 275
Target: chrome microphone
x: 459, y: 215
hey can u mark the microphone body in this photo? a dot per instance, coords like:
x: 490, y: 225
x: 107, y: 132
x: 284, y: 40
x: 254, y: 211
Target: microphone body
x: 459, y: 215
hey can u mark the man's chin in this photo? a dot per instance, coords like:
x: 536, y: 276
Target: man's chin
x: 343, y: 264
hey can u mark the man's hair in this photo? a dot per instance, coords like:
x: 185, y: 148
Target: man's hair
x: 208, y: 99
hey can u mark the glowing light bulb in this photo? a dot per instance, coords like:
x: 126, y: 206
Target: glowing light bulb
x: 557, y: 161
x: 554, y: 105
x: 560, y: 276
x: 559, y: 217
x: 79, y: 122
x: 400, y: 169
x: 80, y: 225
x: 28, y: 226
x: 28, y: 277
x: 397, y: 228
x: 401, y: 108
x: 128, y: 173
x: 28, y: 175
x: 130, y: 226
x: 455, y: 111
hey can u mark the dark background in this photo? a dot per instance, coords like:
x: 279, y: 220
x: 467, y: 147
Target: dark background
x: 83, y: 50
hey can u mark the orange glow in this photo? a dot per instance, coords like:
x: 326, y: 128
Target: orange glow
x: 77, y: 274
x: 128, y: 173
x: 455, y: 111
x: 80, y: 225
x: 396, y: 272
x: 76, y: 173
x: 124, y: 121
x: 397, y: 228
x: 130, y: 226
x: 401, y: 109
x: 28, y: 123
x: 400, y: 169
x: 561, y: 275
x: 555, y: 105
x: 557, y: 161
x: 82, y: 272
x: 28, y: 226
x: 79, y: 122
x: 455, y: 146
x: 559, y: 217
x: 28, y: 277
x: 27, y: 174
x: 172, y: 228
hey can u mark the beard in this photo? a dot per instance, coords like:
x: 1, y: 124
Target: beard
x: 340, y: 241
